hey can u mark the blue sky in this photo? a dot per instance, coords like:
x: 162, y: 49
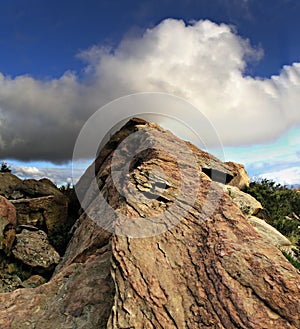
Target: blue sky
x: 62, y: 60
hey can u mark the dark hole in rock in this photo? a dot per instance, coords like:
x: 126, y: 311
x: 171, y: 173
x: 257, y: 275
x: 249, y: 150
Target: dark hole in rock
x: 217, y: 175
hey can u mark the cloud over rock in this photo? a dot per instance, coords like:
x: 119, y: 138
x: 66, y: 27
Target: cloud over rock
x: 202, y: 62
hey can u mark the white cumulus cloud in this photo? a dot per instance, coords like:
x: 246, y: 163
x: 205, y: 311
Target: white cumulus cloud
x: 202, y: 62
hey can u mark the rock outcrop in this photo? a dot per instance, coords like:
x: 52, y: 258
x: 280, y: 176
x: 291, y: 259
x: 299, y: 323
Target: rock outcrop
x: 240, y: 177
x: 200, y: 264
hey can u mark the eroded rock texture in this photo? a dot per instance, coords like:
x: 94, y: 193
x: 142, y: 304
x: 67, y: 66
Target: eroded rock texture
x: 34, y: 250
x: 207, y: 267
x: 8, y: 223
x: 211, y: 272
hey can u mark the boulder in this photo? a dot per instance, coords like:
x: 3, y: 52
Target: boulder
x: 38, y: 203
x: 46, y: 213
x: 7, y: 225
x: 269, y: 233
x: 240, y: 176
x: 33, y: 249
x: 13, y: 188
x: 247, y: 203
x: 211, y: 269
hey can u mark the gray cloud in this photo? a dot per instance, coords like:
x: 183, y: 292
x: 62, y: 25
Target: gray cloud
x: 201, y: 62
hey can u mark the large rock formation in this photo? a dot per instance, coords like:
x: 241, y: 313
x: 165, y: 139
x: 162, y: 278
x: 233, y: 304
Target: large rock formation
x: 200, y: 263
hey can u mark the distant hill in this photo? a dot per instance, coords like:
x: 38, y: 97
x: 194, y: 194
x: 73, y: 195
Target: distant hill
x: 293, y: 186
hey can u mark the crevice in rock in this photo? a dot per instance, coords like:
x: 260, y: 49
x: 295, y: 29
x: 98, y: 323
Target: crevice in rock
x: 218, y: 176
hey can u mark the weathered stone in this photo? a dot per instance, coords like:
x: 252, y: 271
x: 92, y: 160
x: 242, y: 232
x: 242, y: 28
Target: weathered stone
x: 240, y: 176
x: 247, y: 203
x: 33, y: 249
x: 79, y: 296
x: 33, y: 281
x: 48, y: 212
x: 9, y: 283
x: 212, y: 269
x: 209, y: 270
x: 7, y: 225
x: 269, y: 233
x: 12, y: 187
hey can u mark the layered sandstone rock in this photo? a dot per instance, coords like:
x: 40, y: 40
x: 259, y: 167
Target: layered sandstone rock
x: 166, y: 259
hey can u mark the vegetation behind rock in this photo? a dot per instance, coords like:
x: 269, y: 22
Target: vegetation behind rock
x: 282, y: 207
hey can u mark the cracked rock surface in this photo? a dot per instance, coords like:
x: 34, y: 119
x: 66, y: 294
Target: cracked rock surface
x: 207, y: 267
x: 33, y: 249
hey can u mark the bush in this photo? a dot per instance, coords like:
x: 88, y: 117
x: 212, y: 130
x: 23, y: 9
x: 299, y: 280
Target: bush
x: 291, y: 260
x: 282, y: 207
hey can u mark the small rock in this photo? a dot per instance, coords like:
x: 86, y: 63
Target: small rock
x: 33, y: 281
x: 240, y: 178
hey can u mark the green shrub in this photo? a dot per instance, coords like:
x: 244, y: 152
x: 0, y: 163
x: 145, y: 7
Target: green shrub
x: 291, y: 259
x: 5, y: 168
x: 281, y: 205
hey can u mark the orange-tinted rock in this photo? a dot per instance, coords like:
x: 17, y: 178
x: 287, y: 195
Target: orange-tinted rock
x: 208, y: 267
x: 47, y: 212
x: 7, y: 225
x: 33, y: 281
x: 240, y: 176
